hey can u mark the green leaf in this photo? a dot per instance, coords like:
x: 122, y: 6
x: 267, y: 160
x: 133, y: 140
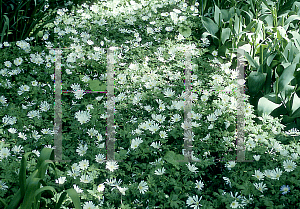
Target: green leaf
x: 286, y: 77
x: 218, y: 16
x: 95, y: 85
x: 256, y: 81
x: 296, y: 103
x: 185, y: 31
x: 266, y: 106
x: 75, y: 198
x: 225, y: 34
x: 251, y: 61
x: 170, y: 157
x: 291, y: 18
x: 209, y: 25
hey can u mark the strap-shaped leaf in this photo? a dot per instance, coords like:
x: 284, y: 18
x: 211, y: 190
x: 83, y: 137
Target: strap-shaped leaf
x: 218, y: 15
x: 286, y: 76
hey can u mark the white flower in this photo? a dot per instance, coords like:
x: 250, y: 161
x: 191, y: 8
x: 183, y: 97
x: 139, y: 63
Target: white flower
x: 82, y: 116
x: 230, y: 164
x: 160, y: 171
x: 289, y: 165
x: 192, y: 168
x: 81, y: 150
x: 101, y: 187
x: 100, y: 158
x: 84, y: 164
x: 143, y: 187
x: 17, y: 149
x: 18, y: 61
x: 260, y: 187
x: 85, y: 179
x: 256, y: 157
x: 234, y: 204
x: 199, y: 185
x: 122, y: 190
x: 60, y: 180
x: 7, y: 63
x: 112, y: 165
x: 45, y: 106
x: 259, y: 175
x: 194, y: 202
x: 212, y: 117
x: 136, y: 142
x: 4, y: 153
x: 276, y: 173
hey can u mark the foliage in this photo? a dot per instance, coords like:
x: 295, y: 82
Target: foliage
x: 149, y: 106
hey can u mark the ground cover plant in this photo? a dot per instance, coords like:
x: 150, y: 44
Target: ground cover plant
x: 149, y: 103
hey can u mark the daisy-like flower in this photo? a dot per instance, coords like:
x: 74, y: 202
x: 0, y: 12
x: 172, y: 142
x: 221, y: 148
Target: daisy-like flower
x: 214, y: 53
x: 234, y: 204
x: 212, y: 117
x: 176, y: 118
x: 259, y: 175
x: 194, y: 202
x: 122, y: 190
x: 22, y: 136
x: 92, y: 132
x: 84, y: 164
x: 169, y: 92
x: 24, y: 88
x: 260, y: 187
x: 153, y: 128
x: 17, y: 149
x: 73, y: 173
x: 285, y: 189
x: 4, y: 153
x: 199, y: 185
x: 85, y: 179
x: 192, y: 168
x: 82, y: 116
x: 156, y: 145
x: 77, y: 189
x: 189, y: 135
x: 160, y: 172
x: 85, y: 78
x: 3, y: 186
x: 143, y: 187
x: 81, y: 150
x: 289, y: 165
x: 136, y: 142
x: 268, y: 173
x: 230, y: 164
x: 163, y: 134
x: 227, y: 180
x: 100, y: 187
x: 89, y: 205
x: 112, y: 165
x: 45, y: 106
x: 36, y: 135
x: 100, y: 158
x: 60, y: 180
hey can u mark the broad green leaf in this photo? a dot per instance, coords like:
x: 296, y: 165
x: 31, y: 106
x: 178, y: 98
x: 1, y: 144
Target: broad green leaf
x: 237, y: 25
x: 256, y: 81
x: 225, y: 34
x: 266, y: 106
x: 250, y: 26
x: 296, y: 103
x: 33, y: 185
x: 218, y: 16
x: 286, y: 77
x: 251, y: 61
x: 209, y: 25
x: 185, y: 31
x: 95, y: 85
x: 292, y: 18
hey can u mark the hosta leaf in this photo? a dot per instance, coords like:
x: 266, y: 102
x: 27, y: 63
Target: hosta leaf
x: 209, y: 25
x: 225, y: 34
x: 286, y: 77
x: 256, y: 81
x: 218, y: 15
x: 185, y: 31
x: 266, y: 106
